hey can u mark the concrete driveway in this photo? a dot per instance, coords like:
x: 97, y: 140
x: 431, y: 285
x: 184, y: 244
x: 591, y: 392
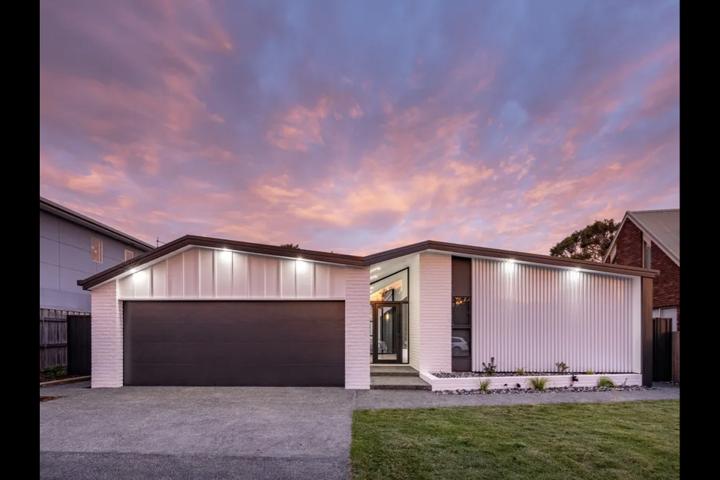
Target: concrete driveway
x: 216, y: 432
x: 205, y: 432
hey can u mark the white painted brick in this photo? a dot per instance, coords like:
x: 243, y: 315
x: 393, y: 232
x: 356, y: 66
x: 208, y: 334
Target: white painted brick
x: 106, y: 337
x: 357, y: 321
x: 435, y: 322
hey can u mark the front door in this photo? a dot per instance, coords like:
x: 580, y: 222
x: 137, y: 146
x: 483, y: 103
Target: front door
x: 387, y: 332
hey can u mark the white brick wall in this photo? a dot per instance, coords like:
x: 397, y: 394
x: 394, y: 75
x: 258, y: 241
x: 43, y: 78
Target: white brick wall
x: 435, y: 312
x: 107, y: 337
x: 357, y: 325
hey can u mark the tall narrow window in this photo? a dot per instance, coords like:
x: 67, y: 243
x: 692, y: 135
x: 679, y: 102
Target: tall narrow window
x: 96, y: 250
x: 461, y: 315
x: 128, y: 255
x: 647, y: 248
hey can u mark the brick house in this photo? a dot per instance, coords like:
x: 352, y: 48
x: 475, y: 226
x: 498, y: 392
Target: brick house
x: 651, y: 239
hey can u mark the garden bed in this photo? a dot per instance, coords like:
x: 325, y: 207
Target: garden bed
x: 502, y: 381
x: 55, y: 374
x: 515, y: 390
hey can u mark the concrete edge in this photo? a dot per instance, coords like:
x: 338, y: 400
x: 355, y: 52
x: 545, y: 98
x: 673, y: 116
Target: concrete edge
x: 65, y: 381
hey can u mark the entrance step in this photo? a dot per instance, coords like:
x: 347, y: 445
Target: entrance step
x: 398, y: 383
x: 392, y: 371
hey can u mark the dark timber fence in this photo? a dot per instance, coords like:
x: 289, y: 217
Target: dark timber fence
x: 54, y: 338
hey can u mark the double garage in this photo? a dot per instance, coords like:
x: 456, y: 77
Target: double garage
x: 234, y: 343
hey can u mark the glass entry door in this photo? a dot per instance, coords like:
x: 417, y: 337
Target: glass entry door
x: 387, y: 334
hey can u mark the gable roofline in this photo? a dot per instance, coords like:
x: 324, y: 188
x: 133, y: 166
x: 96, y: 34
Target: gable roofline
x: 87, y: 222
x: 632, y: 214
x: 353, y: 260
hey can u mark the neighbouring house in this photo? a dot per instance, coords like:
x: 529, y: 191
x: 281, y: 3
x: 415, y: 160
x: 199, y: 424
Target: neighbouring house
x: 72, y: 247
x: 651, y: 239
x: 206, y: 311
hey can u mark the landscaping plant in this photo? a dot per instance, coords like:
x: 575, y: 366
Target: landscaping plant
x: 605, y: 382
x: 520, y: 371
x: 589, y: 372
x: 539, y: 383
x: 562, y: 367
x: 485, y: 385
x: 490, y: 368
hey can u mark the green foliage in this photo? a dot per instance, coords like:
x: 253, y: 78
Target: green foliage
x: 590, y: 243
x: 589, y: 372
x: 289, y: 245
x: 520, y: 371
x: 490, y: 368
x: 605, y: 382
x: 539, y: 383
x: 562, y: 367
x: 55, y: 372
x: 485, y: 385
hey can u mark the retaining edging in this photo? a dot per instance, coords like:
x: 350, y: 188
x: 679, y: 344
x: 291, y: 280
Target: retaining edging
x: 554, y: 381
x: 64, y: 381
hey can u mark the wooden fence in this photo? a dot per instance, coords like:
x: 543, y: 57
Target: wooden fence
x: 53, y: 337
x: 676, y: 357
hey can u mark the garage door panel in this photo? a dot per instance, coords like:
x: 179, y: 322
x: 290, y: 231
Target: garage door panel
x: 234, y: 343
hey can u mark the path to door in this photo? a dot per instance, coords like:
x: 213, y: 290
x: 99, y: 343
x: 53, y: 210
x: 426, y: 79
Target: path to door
x: 223, y: 432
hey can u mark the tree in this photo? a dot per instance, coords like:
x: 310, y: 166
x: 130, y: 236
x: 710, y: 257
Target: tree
x: 590, y: 243
x: 289, y: 245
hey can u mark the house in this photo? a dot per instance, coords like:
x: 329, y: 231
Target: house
x: 73, y: 246
x: 207, y: 311
x: 651, y: 239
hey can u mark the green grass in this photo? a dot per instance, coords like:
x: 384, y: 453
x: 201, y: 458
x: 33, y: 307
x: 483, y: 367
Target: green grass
x: 628, y: 440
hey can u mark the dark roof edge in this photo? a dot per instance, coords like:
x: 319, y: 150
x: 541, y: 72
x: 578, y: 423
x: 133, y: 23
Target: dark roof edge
x: 507, y: 254
x: 75, y: 217
x: 352, y: 260
x: 198, y: 241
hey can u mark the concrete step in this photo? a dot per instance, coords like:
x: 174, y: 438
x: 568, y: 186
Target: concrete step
x: 398, y: 383
x: 392, y: 371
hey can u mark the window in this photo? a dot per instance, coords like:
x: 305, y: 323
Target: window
x: 613, y: 252
x: 96, y: 250
x: 128, y: 255
x: 460, y: 341
x: 647, y: 248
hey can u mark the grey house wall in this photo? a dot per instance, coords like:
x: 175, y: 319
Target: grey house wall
x: 65, y: 258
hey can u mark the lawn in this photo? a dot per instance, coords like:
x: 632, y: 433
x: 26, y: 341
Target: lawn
x: 562, y: 441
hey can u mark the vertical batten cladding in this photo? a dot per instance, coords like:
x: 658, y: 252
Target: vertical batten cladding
x: 531, y: 316
x: 202, y: 273
x: 435, y: 312
x: 357, y: 311
x: 414, y: 307
x: 107, y: 337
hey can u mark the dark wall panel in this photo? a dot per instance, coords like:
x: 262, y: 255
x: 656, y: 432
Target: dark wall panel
x: 461, y: 277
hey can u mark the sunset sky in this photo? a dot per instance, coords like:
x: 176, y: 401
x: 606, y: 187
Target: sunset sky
x: 358, y: 126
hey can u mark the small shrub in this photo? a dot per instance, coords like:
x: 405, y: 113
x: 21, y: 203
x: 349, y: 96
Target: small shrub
x: 574, y: 378
x: 55, y: 372
x: 589, y: 372
x: 605, y: 382
x: 539, y: 383
x: 485, y: 385
x: 562, y: 367
x: 490, y: 368
x: 520, y: 371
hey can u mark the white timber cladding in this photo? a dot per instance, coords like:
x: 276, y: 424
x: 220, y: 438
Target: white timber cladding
x: 435, y: 312
x: 204, y: 273
x: 531, y: 317
x: 106, y: 337
x: 357, y: 319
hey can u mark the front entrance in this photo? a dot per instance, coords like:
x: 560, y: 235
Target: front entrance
x: 389, y: 343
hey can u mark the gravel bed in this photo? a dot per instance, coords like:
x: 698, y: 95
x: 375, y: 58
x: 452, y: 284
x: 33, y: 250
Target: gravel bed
x: 510, y: 391
x: 513, y: 374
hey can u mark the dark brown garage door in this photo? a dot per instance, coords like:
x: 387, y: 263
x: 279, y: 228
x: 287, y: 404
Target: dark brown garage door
x: 234, y: 343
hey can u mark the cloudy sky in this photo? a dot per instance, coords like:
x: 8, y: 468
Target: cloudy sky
x: 357, y: 126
